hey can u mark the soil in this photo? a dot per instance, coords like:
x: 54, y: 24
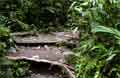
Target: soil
x: 43, y: 70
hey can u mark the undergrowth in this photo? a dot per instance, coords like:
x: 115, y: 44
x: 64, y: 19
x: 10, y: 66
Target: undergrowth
x: 98, y: 53
x: 98, y: 22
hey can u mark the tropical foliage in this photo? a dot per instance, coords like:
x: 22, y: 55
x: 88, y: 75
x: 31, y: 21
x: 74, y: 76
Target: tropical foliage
x: 43, y: 15
x: 98, y: 22
x: 98, y: 52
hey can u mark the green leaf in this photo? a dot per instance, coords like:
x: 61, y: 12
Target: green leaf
x: 103, y: 29
x: 4, y: 31
x: 85, y: 4
x: 110, y: 57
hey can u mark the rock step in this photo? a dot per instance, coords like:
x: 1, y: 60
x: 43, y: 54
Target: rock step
x: 32, y: 46
x: 44, y: 38
x: 51, y: 53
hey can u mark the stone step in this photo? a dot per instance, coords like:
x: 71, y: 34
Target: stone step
x: 45, y: 38
x: 50, y: 53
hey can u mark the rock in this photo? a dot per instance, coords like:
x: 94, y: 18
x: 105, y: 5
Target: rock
x: 12, y: 50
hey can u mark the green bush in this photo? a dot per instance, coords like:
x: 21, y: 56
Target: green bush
x: 98, y: 53
x: 43, y: 15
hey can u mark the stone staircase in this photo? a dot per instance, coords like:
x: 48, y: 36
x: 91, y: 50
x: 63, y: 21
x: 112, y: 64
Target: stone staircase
x: 49, y: 52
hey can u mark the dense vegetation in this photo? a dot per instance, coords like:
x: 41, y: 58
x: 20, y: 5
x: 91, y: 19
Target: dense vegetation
x: 98, y: 54
x: 98, y: 22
